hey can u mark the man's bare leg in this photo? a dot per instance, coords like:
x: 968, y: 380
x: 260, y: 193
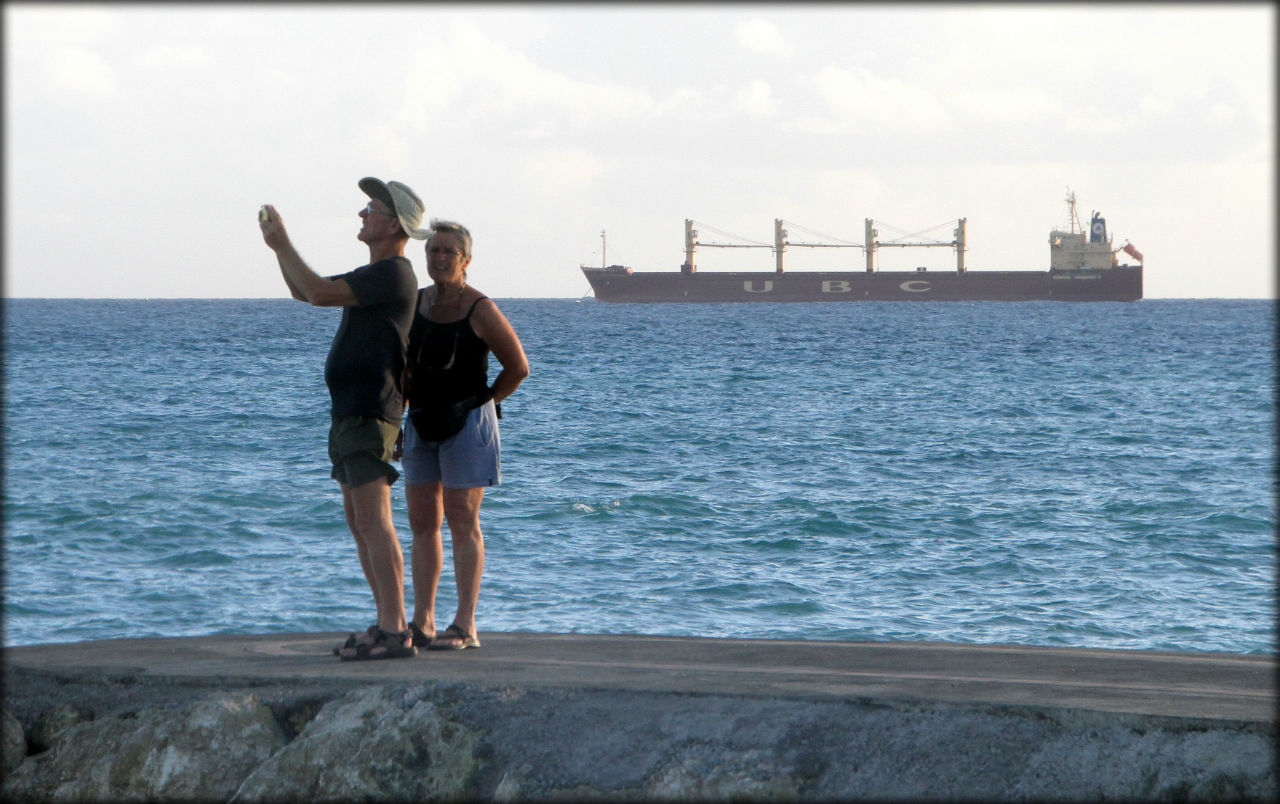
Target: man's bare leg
x: 381, y: 555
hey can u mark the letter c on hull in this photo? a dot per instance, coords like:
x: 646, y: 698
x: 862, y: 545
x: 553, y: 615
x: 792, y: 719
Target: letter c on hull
x: 915, y: 286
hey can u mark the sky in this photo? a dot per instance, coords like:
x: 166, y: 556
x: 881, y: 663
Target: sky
x: 140, y: 140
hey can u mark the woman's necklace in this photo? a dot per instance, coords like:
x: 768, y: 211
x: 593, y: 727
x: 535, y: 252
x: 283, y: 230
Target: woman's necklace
x: 437, y: 302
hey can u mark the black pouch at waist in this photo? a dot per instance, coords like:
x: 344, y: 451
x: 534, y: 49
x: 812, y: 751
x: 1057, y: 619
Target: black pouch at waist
x: 438, y: 422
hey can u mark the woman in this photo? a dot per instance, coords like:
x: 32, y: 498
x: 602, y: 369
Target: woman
x: 451, y: 443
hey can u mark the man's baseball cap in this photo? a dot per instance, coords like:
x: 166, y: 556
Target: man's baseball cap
x: 405, y: 202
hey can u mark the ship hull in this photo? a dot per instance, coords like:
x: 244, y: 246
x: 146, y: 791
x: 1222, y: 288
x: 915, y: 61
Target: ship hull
x: 1121, y: 283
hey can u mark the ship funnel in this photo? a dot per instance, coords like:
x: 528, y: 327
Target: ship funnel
x: 1098, y: 229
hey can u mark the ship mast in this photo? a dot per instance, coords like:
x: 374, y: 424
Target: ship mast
x: 779, y: 243
x: 604, y: 263
x: 690, y: 245
x: 1076, y: 228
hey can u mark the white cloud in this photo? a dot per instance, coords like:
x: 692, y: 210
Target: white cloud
x: 756, y: 100
x: 1157, y: 106
x: 467, y: 76
x: 1003, y: 106
x: 562, y: 172
x: 813, y: 124
x: 80, y: 72
x: 1221, y: 113
x: 680, y: 101
x: 62, y: 50
x: 1097, y: 122
x: 167, y: 55
x: 858, y: 100
x: 761, y: 36
x: 45, y: 27
x: 386, y: 141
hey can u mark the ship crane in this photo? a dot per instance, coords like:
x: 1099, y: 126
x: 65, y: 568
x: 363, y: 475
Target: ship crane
x: 874, y: 244
x: 691, y: 246
x: 780, y: 243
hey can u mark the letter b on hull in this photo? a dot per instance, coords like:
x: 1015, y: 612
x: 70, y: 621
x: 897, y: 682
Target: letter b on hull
x: 835, y: 286
x: 750, y: 286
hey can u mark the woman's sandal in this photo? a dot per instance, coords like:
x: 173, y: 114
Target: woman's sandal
x: 353, y: 639
x: 385, y: 645
x: 421, y: 639
x: 454, y: 638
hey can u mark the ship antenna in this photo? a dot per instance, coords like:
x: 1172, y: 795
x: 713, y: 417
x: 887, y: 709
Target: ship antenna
x: 604, y: 262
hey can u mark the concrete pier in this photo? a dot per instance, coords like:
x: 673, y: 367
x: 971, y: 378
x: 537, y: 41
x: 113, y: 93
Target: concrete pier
x: 619, y: 716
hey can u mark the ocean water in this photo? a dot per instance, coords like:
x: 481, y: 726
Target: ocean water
x: 1094, y: 475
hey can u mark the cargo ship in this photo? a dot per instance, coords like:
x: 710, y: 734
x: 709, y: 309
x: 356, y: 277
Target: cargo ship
x: 1083, y: 266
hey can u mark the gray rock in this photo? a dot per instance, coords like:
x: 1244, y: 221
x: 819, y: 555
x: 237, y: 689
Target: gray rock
x: 729, y: 776
x: 51, y: 724
x: 200, y: 752
x: 1119, y: 763
x: 450, y: 740
x: 14, y: 743
x: 380, y: 743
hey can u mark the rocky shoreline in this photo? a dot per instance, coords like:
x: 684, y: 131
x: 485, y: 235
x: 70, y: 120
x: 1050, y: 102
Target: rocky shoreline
x: 141, y: 737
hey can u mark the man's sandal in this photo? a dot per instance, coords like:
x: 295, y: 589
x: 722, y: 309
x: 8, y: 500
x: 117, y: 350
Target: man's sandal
x: 385, y: 645
x: 454, y: 638
x: 353, y: 639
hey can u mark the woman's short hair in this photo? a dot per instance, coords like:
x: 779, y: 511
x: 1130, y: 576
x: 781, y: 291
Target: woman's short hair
x: 456, y: 229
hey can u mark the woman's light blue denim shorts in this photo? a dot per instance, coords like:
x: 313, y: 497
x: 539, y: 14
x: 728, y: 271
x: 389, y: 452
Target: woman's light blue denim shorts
x: 469, y: 459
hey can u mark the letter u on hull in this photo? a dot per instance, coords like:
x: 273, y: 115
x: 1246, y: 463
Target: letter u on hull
x: 750, y: 286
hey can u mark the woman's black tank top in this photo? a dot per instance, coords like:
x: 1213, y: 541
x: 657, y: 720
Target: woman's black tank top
x: 446, y: 362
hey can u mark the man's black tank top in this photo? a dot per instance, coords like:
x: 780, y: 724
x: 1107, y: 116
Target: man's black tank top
x: 447, y: 362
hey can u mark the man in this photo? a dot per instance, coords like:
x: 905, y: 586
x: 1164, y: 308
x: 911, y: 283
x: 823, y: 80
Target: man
x: 364, y: 373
